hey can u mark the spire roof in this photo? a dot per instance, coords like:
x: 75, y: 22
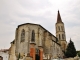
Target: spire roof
x: 59, y: 20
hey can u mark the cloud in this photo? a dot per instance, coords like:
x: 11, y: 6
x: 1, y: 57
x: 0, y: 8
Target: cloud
x: 34, y: 4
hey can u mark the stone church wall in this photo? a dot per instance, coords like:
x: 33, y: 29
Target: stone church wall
x: 42, y: 38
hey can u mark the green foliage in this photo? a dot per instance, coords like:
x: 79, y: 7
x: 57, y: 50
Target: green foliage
x: 79, y: 54
x: 70, y: 51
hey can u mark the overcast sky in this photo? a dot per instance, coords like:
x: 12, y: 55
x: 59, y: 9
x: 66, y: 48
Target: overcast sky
x: 43, y: 12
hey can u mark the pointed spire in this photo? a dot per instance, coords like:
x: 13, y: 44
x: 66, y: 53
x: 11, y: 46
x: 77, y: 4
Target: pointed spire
x: 59, y: 20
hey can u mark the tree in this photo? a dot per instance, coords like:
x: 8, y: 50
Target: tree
x: 70, y: 51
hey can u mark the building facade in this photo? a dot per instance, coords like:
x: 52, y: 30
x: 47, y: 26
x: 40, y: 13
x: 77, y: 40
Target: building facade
x: 35, y: 41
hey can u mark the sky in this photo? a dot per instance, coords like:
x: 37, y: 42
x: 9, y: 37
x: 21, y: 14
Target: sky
x: 43, y: 12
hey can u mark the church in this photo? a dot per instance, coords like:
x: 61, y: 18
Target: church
x: 34, y: 41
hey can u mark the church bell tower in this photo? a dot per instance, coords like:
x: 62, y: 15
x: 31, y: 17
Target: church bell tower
x: 60, y: 32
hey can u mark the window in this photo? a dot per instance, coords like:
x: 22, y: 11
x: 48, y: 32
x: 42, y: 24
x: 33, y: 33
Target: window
x: 59, y: 28
x: 59, y: 37
x: 22, y: 35
x: 33, y: 36
x: 62, y: 28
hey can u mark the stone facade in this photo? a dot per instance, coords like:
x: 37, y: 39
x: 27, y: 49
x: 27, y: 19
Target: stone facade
x: 42, y: 38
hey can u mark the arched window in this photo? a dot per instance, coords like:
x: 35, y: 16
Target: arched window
x: 59, y: 37
x: 33, y: 36
x: 59, y: 28
x: 23, y: 35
